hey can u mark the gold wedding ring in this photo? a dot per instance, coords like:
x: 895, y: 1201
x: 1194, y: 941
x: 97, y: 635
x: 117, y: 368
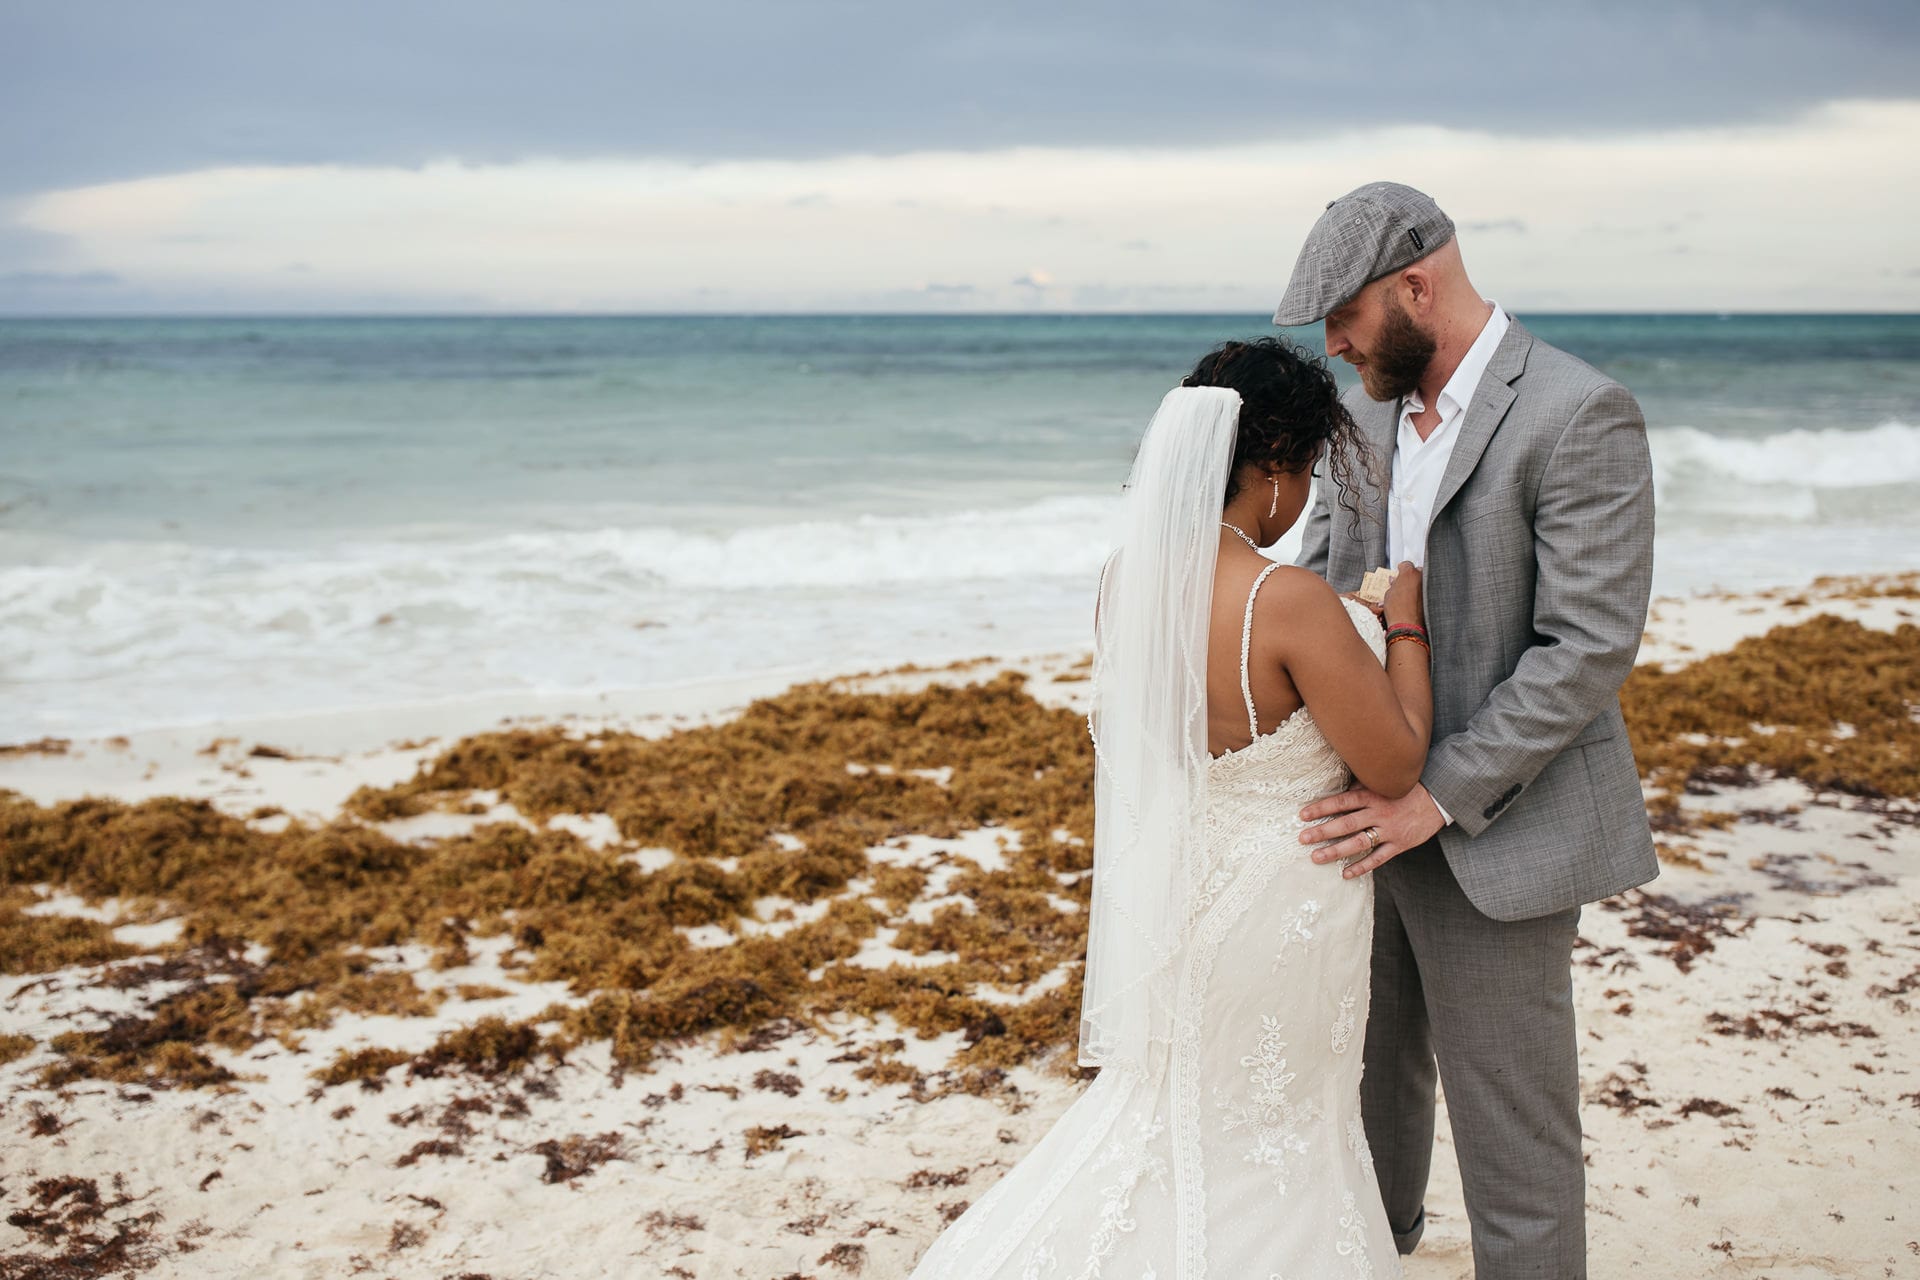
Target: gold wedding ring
x: 1373, y: 838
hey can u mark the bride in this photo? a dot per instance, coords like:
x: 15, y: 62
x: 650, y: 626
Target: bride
x: 1226, y: 973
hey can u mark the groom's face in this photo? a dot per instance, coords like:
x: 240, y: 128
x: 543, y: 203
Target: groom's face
x: 1375, y: 335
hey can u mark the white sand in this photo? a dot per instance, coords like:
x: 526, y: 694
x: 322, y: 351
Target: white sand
x: 1683, y: 631
x: 1785, y: 1153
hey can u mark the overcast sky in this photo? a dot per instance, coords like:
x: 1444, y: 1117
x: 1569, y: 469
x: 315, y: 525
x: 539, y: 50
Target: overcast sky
x: 799, y: 155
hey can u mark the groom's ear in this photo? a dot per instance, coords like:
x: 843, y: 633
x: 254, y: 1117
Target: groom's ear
x: 1415, y: 284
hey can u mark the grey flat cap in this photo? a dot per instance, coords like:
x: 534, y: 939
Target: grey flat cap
x: 1370, y: 232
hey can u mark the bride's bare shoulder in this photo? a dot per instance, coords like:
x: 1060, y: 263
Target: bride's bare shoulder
x: 1292, y: 585
x: 1299, y: 602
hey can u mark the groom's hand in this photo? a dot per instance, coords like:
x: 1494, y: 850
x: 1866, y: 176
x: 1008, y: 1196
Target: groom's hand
x: 1402, y: 824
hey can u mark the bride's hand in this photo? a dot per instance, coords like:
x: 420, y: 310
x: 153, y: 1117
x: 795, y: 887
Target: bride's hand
x: 1403, y: 603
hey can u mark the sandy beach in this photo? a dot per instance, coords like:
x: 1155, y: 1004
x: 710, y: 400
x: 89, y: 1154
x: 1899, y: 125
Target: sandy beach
x: 763, y: 979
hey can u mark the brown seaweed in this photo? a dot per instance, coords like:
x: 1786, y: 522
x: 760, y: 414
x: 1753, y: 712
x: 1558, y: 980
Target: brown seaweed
x: 765, y: 805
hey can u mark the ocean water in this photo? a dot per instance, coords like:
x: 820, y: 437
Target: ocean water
x: 208, y: 519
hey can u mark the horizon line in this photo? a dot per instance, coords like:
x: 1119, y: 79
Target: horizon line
x: 848, y: 314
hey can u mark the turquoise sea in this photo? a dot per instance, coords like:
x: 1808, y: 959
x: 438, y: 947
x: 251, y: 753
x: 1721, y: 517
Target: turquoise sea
x: 204, y: 519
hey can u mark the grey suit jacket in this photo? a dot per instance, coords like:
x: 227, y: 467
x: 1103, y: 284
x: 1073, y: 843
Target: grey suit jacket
x: 1539, y: 566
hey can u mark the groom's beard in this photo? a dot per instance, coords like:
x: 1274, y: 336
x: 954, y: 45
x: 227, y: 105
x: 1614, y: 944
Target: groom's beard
x: 1394, y: 366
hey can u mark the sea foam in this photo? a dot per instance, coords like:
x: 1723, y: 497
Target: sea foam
x: 1888, y: 454
x: 99, y: 636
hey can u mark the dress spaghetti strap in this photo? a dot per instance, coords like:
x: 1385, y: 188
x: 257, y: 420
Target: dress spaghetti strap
x: 1246, y: 644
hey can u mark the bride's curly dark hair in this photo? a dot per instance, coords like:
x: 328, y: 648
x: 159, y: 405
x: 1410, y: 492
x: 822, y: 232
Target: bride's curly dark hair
x: 1290, y: 407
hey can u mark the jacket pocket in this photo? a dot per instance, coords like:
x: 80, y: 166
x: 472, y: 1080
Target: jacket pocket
x: 1506, y: 499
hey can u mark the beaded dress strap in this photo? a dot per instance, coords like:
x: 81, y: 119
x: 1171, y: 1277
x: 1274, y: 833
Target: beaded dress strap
x: 1246, y: 644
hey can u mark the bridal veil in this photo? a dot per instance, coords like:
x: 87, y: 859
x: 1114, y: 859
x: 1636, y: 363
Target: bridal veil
x: 1149, y: 728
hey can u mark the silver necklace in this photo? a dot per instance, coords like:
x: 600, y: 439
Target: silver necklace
x: 1243, y: 534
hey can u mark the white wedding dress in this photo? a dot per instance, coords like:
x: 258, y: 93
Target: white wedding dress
x: 1244, y: 1157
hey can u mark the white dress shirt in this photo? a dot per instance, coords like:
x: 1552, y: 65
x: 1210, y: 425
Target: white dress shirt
x: 1418, y: 465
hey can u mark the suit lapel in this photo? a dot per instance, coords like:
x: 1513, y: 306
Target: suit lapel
x: 1491, y: 400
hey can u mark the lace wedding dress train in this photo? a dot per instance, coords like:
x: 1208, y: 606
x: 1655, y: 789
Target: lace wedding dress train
x: 1241, y: 1156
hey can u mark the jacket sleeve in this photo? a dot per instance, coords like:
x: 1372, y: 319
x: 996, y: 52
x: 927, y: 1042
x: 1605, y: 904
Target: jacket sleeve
x: 1593, y: 551
x: 1319, y: 531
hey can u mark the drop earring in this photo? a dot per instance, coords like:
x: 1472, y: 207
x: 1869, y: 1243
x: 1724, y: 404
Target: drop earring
x: 1274, y: 510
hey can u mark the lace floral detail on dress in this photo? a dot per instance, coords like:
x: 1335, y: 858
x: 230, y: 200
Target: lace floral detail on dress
x: 1343, y: 1023
x: 1276, y: 1120
x: 1357, y: 1143
x: 1133, y: 1154
x: 1221, y: 874
x: 1353, y: 1245
x: 1297, y: 929
x: 1040, y: 1263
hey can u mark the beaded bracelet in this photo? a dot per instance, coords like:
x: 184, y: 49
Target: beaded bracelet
x: 1407, y: 629
x: 1408, y: 635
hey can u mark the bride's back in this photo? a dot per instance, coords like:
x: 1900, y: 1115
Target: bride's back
x: 1275, y: 697
x: 1279, y: 641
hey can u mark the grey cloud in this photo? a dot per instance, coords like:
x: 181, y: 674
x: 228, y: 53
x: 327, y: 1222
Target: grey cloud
x: 58, y: 279
x: 23, y: 247
x: 93, y: 92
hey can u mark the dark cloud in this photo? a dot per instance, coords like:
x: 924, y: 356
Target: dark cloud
x: 100, y: 91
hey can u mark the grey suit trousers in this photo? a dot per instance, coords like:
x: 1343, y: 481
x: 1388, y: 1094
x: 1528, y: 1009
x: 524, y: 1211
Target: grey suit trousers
x: 1490, y: 1002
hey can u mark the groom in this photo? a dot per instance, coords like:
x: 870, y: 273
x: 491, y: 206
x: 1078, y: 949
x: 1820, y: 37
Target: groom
x: 1519, y: 479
